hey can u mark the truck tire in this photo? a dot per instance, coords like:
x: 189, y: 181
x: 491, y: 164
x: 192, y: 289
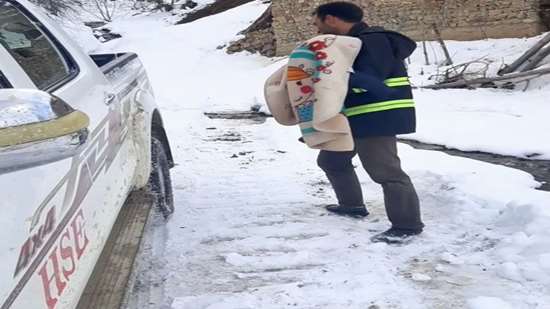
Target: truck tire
x: 160, y: 183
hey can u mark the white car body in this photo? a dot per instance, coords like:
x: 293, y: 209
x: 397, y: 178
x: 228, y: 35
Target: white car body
x: 56, y: 217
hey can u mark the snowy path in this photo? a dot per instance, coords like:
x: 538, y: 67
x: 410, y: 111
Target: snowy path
x: 250, y: 231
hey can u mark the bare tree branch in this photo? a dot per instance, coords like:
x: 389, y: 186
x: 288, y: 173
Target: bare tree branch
x: 449, y: 61
x: 480, y: 81
x: 526, y: 56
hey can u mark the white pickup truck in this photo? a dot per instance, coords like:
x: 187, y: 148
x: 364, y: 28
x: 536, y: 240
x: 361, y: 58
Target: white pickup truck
x: 78, y: 133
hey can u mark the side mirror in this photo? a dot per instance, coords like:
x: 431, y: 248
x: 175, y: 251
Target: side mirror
x: 37, y: 128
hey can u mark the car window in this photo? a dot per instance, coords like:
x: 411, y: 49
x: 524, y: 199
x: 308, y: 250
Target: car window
x: 31, y: 47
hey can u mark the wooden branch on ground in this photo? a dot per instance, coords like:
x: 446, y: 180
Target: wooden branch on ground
x: 486, y: 80
x: 533, y: 62
x: 526, y: 56
x: 459, y: 72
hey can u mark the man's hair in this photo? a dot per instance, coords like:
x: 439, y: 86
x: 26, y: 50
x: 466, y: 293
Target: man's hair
x: 345, y: 11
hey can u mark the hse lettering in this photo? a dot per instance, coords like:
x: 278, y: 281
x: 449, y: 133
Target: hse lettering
x: 61, y: 264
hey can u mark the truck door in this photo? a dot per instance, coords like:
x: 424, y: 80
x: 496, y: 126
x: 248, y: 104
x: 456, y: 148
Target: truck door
x: 56, y: 217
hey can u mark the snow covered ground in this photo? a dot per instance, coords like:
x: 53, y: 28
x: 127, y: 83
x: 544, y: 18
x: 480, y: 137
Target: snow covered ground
x: 497, y: 121
x: 250, y: 230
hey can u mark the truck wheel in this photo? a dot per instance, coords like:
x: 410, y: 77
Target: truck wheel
x: 160, y: 184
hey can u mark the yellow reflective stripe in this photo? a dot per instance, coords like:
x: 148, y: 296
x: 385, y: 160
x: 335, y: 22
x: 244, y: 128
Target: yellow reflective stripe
x: 397, y: 79
x: 358, y: 90
x: 351, y: 109
x: 398, y: 84
x: 378, y: 107
x: 391, y: 82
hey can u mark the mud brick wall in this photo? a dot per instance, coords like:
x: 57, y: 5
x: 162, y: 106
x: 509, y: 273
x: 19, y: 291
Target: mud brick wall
x: 457, y: 20
x: 260, y: 41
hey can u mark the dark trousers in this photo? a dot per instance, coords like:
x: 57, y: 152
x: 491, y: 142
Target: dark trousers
x: 379, y: 158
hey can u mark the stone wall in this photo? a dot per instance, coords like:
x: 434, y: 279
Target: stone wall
x: 261, y: 41
x: 457, y: 20
x: 259, y: 37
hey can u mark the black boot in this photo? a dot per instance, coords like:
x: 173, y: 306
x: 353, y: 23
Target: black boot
x: 359, y: 211
x: 396, y: 236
